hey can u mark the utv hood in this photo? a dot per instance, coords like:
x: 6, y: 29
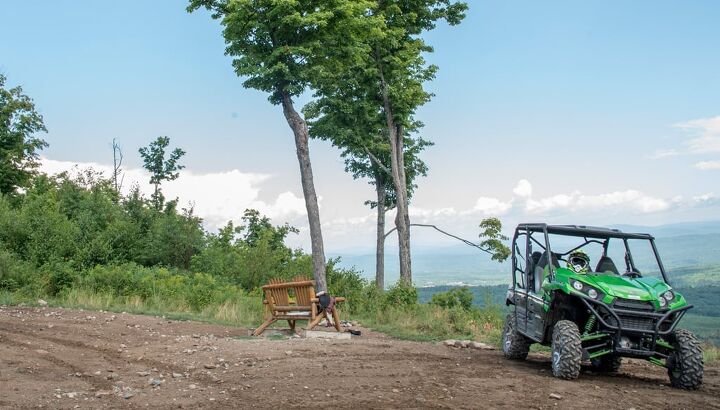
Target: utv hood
x: 646, y: 289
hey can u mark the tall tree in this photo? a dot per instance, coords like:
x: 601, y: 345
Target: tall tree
x: 389, y: 81
x: 281, y: 47
x: 346, y: 118
x: 19, y: 122
x: 160, y: 168
x: 399, y: 70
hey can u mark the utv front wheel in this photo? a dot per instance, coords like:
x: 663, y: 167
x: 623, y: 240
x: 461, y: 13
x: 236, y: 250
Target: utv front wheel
x: 566, y: 350
x: 685, y: 363
x: 608, y: 363
x: 515, y: 346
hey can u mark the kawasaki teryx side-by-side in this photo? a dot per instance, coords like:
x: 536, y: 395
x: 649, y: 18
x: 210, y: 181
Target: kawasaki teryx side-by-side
x: 590, y: 311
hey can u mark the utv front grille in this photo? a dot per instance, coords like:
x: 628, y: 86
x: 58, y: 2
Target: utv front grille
x: 637, y: 323
x: 630, y: 304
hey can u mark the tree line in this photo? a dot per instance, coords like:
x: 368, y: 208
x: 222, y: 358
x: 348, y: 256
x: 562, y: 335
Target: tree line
x: 363, y: 64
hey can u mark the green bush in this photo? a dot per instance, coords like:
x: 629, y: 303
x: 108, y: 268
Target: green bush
x: 458, y: 297
x: 401, y: 295
x: 14, y: 273
x: 60, y: 276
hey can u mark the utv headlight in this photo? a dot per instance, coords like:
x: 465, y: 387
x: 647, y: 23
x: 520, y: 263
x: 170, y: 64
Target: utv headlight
x: 662, y: 302
x: 592, y: 293
x: 668, y: 296
x: 577, y: 285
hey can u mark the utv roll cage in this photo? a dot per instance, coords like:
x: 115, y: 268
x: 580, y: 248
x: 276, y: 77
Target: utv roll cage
x: 591, y: 234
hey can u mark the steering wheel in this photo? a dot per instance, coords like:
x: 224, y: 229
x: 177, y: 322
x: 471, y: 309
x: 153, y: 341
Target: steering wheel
x: 632, y: 274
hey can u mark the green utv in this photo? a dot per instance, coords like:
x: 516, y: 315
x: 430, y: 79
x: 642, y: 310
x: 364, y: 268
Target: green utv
x: 596, y: 315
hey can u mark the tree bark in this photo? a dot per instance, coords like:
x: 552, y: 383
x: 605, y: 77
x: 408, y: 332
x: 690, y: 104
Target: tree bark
x: 402, y: 219
x: 380, y: 246
x: 300, y: 131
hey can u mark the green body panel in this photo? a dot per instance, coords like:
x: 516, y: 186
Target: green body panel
x: 611, y: 286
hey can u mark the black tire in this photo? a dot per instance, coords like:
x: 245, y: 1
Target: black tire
x: 607, y: 363
x: 566, y: 350
x: 685, y: 363
x: 515, y: 346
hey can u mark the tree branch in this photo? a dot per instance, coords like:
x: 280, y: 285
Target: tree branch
x: 465, y: 241
x: 377, y: 162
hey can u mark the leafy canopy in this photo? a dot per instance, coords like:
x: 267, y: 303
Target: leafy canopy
x: 281, y: 46
x: 19, y: 147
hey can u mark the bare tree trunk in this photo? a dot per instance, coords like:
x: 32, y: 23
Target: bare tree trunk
x: 402, y: 219
x: 380, y: 246
x: 300, y: 130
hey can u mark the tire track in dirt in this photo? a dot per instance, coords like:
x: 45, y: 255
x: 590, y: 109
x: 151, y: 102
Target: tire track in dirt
x: 111, y: 357
x: 372, y: 371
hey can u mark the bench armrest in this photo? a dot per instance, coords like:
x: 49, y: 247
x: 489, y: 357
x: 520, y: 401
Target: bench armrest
x: 337, y: 299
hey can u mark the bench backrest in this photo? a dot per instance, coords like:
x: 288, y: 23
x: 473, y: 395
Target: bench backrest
x: 278, y: 293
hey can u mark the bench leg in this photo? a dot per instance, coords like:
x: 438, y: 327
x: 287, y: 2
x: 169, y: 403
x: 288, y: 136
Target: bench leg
x: 336, y: 319
x: 292, y: 324
x: 262, y: 327
x: 315, y: 321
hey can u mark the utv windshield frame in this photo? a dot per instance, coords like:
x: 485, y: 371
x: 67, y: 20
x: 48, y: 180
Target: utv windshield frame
x: 589, y: 233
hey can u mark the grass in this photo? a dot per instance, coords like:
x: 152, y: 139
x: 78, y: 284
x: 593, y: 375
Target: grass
x: 242, y: 311
x: 427, y: 323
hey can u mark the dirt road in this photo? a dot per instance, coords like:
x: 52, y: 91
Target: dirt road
x: 57, y: 358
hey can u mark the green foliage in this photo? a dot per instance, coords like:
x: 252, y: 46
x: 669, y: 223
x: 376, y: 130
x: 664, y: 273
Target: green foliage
x: 401, y: 295
x: 59, y: 276
x: 14, y: 273
x: 282, y: 47
x: 160, y: 168
x: 19, y: 122
x: 458, y: 297
x: 492, y: 231
x: 251, y: 254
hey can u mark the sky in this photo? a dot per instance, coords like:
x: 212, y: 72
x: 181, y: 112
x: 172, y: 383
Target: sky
x: 593, y: 112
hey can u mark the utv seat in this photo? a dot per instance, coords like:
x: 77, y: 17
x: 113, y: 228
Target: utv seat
x: 540, y: 266
x: 605, y: 264
x: 532, y: 270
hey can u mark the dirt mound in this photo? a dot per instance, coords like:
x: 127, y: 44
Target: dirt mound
x: 58, y: 358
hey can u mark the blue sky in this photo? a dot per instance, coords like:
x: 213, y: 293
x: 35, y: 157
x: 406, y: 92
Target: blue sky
x: 578, y: 112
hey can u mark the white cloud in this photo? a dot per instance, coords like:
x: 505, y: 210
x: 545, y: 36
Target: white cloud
x: 523, y: 189
x: 708, y: 199
x: 491, y: 206
x: 427, y: 213
x: 559, y: 201
x: 619, y: 201
x: 706, y: 132
x: 664, y: 153
x: 217, y: 197
x: 706, y: 165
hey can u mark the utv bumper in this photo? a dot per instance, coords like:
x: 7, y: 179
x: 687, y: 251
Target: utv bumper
x: 634, y: 323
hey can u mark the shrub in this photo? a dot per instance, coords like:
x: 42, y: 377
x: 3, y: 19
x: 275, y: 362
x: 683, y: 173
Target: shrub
x: 458, y: 297
x: 14, y: 273
x: 60, y: 276
x: 401, y: 295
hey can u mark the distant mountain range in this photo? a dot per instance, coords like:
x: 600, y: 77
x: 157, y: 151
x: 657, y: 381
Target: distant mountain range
x: 691, y: 244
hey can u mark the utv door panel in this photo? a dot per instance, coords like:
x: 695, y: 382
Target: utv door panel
x: 535, y: 325
x: 521, y: 310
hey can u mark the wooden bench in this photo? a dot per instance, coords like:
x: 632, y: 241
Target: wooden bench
x: 293, y: 301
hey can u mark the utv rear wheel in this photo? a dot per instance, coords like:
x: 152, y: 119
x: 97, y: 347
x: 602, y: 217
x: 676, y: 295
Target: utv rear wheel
x: 685, y: 363
x: 608, y: 363
x: 515, y: 346
x: 566, y: 350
